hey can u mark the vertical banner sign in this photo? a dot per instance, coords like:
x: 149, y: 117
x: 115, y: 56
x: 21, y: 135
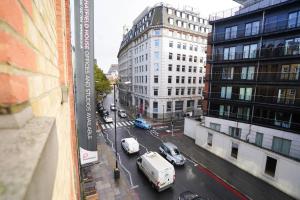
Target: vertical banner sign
x: 84, y: 77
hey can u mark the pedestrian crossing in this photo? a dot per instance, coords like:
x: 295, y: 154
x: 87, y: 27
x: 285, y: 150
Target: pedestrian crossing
x: 118, y: 124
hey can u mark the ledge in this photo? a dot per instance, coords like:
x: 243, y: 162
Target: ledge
x: 25, y: 153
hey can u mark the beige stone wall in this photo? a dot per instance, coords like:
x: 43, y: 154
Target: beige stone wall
x: 35, y: 64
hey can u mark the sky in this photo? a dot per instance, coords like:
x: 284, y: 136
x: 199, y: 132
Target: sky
x: 112, y: 15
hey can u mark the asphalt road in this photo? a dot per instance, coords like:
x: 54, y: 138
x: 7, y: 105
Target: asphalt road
x: 191, y: 176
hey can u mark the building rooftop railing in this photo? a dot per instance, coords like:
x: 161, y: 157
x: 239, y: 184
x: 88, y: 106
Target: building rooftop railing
x: 242, y: 10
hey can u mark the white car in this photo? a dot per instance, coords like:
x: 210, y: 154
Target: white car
x: 107, y: 119
x: 122, y: 113
x: 130, y: 145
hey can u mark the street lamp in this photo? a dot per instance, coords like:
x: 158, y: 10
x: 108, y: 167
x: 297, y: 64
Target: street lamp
x: 116, y: 170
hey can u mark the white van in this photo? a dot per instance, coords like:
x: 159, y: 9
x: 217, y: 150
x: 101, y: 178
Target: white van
x: 159, y: 171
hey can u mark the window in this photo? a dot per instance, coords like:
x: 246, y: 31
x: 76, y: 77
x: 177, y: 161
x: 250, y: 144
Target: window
x: 182, y: 79
x: 283, y: 119
x: 169, y: 91
x: 169, y: 106
x: 247, y: 73
x: 229, y: 53
x: 191, y: 47
x: 155, y: 92
x: 189, y: 91
x: 177, y: 79
x: 234, y: 150
x: 230, y: 33
x: 178, y: 68
x: 184, y: 46
x: 170, y: 56
x: 184, y: 24
x: 209, y: 139
x: 183, y: 57
x: 286, y: 96
x: 250, y: 51
x: 190, y: 103
x: 155, y: 79
x: 177, y: 91
x: 157, y: 32
x: 224, y: 110
x: 178, y: 56
x: 177, y: 13
x: 190, y: 58
x: 226, y: 92
x: 179, y: 23
x: 294, y: 19
x: 170, y: 67
x: 194, y: 80
x: 196, y: 48
x: 189, y: 79
x: 156, y: 55
x: 252, y: 28
x: 195, y: 69
x: 155, y: 106
x: 190, y: 68
x: 156, y: 43
x: 195, y: 58
x: 169, y: 79
x: 227, y: 73
x: 182, y: 91
x: 270, y: 166
x: 259, y: 139
x: 170, y: 11
x: 215, y: 126
x: 171, y: 44
x: 235, y: 132
x: 178, y: 105
x: 290, y: 72
x: 243, y: 113
x: 183, y: 68
x: 200, y: 69
x: 199, y: 104
x: 193, y: 91
x: 171, y: 21
x: 179, y: 45
x: 292, y: 46
x: 245, y: 94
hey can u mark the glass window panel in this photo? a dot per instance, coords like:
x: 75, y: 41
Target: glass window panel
x: 255, y: 28
x: 298, y: 19
x: 246, y: 51
x: 223, y: 92
x: 292, y: 20
x: 233, y: 32
x: 228, y: 92
x: 232, y: 53
x: 253, y: 50
x: 259, y: 139
x: 244, y: 73
x: 248, y: 29
x: 242, y: 93
x: 289, y: 47
x: 227, y: 33
x: 250, y: 75
x: 221, y: 110
x: 248, y: 94
x: 226, y: 53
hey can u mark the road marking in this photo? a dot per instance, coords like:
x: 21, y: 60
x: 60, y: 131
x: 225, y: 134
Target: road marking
x: 123, y: 123
x: 131, y: 123
x: 103, y: 126
x: 127, y: 123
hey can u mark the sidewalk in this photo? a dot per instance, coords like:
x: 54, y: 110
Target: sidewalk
x: 102, y: 174
x: 244, y: 182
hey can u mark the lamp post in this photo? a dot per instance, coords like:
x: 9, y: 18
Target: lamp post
x: 116, y: 170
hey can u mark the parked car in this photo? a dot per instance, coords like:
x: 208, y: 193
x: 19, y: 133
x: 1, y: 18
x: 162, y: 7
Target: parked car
x: 159, y: 172
x: 130, y: 145
x: 113, y: 107
x: 107, y: 119
x: 141, y: 123
x: 171, y: 153
x: 122, y: 113
x: 188, y: 195
x: 100, y: 107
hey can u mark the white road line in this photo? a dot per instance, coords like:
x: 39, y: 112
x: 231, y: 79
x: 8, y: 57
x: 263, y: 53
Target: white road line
x: 131, y: 123
x: 111, y: 125
x: 127, y: 123
x: 124, y: 124
x: 103, y: 126
x: 107, y: 126
x: 119, y: 124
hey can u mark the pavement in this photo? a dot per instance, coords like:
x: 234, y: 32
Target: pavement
x: 106, y: 186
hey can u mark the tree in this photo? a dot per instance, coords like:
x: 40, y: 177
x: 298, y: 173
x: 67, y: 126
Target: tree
x: 102, y: 84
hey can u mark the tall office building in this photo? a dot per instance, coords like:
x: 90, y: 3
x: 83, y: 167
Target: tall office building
x: 253, y: 87
x: 163, y: 58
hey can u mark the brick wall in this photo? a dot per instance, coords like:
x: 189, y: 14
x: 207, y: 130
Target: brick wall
x: 35, y: 64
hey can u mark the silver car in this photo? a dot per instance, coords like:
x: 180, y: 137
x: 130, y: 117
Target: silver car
x: 172, y: 154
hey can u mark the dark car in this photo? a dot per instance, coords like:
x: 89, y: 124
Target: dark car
x: 104, y: 112
x: 188, y: 195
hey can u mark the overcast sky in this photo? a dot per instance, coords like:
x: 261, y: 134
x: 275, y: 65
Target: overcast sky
x: 111, y: 15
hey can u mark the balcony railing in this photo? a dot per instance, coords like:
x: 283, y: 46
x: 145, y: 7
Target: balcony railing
x: 258, y: 98
x: 262, y: 77
x: 260, y: 53
x: 240, y: 10
x: 283, y: 124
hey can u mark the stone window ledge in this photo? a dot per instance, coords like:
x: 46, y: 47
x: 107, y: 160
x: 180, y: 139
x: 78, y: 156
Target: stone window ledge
x: 28, y: 160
